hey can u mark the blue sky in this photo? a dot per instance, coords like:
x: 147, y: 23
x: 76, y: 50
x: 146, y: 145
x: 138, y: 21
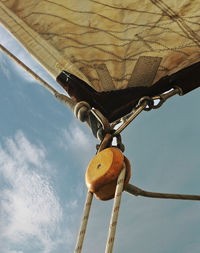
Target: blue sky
x: 44, y: 152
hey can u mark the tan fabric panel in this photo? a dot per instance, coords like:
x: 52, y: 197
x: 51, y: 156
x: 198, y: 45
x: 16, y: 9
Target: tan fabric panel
x: 144, y: 71
x: 44, y: 52
x: 77, y: 35
x: 104, y: 77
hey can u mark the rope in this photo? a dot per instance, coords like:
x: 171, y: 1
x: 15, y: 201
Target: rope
x: 62, y: 98
x: 115, y: 211
x: 84, y: 221
x: 88, y: 202
x: 139, y: 192
x: 81, y: 110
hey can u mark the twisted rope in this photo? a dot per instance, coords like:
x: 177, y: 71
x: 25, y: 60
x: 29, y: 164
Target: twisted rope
x: 84, y: 221
x: 62, y: 98
x: 88, y: 202
x: 115, y: 211
x: 139, y: 192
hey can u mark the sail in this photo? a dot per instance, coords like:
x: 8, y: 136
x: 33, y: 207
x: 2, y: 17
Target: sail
x: 101, y: 41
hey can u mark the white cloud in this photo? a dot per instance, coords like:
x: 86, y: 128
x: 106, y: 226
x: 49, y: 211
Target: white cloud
x: 76, y: 139
x: 73, y: 204
x: 14, y: 251
x: 75, y: 136
x: 30, y: 208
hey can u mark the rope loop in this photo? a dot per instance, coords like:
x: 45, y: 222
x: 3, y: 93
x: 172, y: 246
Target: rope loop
x: 81, y: 110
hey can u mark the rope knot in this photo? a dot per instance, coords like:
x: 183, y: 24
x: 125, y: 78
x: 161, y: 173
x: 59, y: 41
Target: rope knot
x: 81, y: 110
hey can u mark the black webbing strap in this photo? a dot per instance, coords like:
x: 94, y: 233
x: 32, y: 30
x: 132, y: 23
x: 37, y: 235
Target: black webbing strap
x: 117, y: 103
x: 187, y: 79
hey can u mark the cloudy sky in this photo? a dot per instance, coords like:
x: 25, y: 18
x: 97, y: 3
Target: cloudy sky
x: 44, y: 152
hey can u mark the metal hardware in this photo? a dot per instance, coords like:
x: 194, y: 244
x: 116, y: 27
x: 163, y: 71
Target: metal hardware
x: 146, y: 103
x: 131, y: 118
x: 165, y: 96
x: 149, y: 103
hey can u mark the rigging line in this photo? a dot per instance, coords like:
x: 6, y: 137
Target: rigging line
x: 84, y: 221
x: 139, y: 192
x: 115, y: 211
x: 88, y: 204
x: 27, y: 69
x: 62, y: 98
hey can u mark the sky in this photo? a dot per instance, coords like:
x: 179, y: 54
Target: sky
x: 44, y: 153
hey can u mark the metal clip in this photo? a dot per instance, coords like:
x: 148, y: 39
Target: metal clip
x: 146, y: 103
x: 141, y: 107
x: 164, y: 97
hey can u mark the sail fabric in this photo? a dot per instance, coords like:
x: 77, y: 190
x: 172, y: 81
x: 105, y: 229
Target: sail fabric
x: 95, y: 39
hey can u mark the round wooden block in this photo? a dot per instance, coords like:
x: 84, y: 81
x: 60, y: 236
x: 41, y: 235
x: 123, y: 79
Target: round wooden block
x: 104, y: 168
x: 107, y: 191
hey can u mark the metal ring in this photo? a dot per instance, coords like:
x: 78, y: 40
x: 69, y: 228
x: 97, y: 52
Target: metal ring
x: 149, y: 100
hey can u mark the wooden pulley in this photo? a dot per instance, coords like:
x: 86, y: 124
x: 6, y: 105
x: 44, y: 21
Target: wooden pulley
x: 103, y: 171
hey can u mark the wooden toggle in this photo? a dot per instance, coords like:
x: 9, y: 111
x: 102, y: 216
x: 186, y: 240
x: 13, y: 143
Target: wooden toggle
x: 103, y: 171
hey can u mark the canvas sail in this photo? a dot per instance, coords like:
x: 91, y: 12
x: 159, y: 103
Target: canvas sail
x: 88, y: 38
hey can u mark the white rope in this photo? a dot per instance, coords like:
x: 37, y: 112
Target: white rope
x: 115, y: 211
x: 132, y: 189
x: 84, y: 221
x: 27, y: 69
x: 64, y: 99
